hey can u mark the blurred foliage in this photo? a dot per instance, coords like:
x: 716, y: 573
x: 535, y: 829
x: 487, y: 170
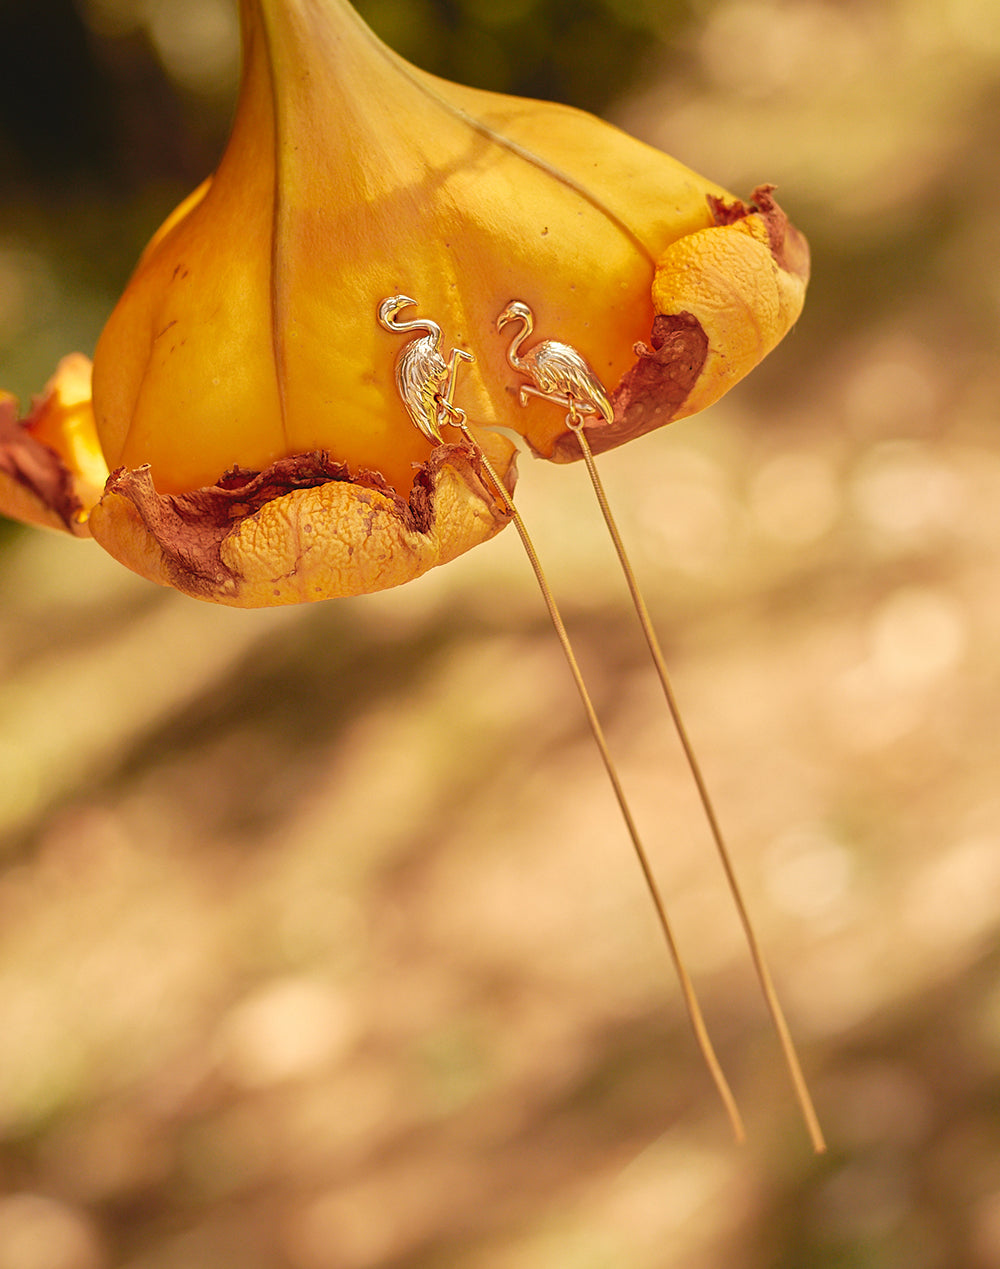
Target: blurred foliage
x: 320, y: 947
x: 579, y: 51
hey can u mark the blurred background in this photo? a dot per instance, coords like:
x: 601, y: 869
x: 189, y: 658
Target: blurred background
x: 321, y: 944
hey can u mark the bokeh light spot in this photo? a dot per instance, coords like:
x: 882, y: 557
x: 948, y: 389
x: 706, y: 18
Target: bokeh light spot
x: 918, y: 634
x: 903, y: 491
x: 42, y: 1233
x: 795, y: 497
x: 810, y: 874
x: 285, y: 1030
x: 198, y: 43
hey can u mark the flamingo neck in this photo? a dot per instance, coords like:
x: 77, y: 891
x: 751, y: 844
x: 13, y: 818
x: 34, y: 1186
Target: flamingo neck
x: 518, y: 340
x: 432, y: 328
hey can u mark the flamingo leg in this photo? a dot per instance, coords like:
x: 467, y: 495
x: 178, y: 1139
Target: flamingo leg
x: 447, y: 412
x: 457, y: 354
x: 576, y: 409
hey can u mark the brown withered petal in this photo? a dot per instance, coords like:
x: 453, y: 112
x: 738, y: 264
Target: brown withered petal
x: 34, y: 485
x: 301, y: 530
x: 51, y: 468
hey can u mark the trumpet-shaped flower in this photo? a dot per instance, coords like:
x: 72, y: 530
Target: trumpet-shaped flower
x: 243, y: 438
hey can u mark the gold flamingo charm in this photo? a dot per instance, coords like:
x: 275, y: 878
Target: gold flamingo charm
x: 424, y: 380
x: 557, y: 371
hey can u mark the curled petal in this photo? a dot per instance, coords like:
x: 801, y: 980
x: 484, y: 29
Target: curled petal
x: 301, y: 530
x: 744, y: 281
x: 724, y: 297
x: 52, y: 470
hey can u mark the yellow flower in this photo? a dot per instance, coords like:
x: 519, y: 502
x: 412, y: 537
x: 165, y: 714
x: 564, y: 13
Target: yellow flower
x: 244, y: 410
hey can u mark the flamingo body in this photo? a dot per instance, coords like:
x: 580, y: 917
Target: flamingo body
x: 423, y: 377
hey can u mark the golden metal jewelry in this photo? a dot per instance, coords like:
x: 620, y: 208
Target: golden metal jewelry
x: 558, y: 373
x: 424, y: 380
x: 426, y: 383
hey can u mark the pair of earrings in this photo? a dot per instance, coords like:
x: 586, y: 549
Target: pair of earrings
x: 556, y: 372
x: 426, y: 382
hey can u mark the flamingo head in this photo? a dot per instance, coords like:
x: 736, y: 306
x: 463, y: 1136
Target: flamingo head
x: 390, y: 308
x: 515, y: 310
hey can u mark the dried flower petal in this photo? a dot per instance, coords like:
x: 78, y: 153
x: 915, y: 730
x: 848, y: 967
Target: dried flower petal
x: 51, y: 467
x: 301, y: 530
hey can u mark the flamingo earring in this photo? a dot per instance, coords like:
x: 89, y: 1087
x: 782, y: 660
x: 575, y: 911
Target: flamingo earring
x: 560, y: 374
x: 426, y: 384
x: 557, y: 371
x: 424, y: 380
